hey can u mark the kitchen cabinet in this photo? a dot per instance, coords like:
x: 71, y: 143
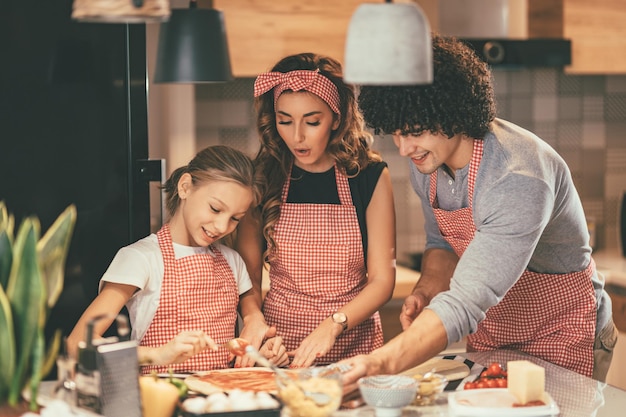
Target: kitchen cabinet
x: 596, y: 29
x: 261, y: 32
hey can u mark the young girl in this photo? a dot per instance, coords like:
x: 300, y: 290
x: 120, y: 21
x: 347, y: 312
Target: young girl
x: 180, y: 286
x: 326, y: 222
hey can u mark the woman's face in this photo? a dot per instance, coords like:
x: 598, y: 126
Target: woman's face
x: 209, y: 211
x: 305, y: 122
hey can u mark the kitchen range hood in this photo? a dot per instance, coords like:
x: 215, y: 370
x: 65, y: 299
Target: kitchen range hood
x: 498, y: 31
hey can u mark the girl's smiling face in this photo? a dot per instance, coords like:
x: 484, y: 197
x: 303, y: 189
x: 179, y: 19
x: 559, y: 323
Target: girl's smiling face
x: 208, y: 211
x: 305, y: 122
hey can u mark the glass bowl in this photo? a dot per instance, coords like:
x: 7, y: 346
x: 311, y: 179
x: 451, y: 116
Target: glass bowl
x: 292, y: 391
x: 429, y: 387
x: 388, y: 394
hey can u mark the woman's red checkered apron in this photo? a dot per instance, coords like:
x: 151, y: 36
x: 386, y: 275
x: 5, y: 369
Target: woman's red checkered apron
x: 318, y: 269
x: 551, y: 316
x: 198, y: 292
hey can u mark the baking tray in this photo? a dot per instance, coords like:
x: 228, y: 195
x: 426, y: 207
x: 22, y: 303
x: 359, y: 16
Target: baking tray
x: 266, y: 412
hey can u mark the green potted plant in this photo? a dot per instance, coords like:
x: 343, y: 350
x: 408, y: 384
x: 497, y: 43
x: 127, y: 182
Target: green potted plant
x: 31, y: 281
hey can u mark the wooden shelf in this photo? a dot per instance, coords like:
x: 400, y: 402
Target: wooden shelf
x: 596, y: 29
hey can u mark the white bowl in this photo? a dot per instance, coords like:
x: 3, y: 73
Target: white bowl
x: 388, y: 394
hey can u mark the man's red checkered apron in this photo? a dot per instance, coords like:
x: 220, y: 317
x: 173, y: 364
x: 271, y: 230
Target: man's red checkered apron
x: 198, y: 292
x: 319, y: 268
x: 551, y: 316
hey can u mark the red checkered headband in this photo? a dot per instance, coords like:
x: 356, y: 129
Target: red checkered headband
x: 312, y: 81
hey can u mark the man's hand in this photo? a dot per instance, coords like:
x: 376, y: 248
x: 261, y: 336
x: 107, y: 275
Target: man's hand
x: 360, y: 366
x: 412, y: 307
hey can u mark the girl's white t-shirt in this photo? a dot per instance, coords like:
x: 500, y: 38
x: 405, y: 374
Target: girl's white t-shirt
x: 140, y: 264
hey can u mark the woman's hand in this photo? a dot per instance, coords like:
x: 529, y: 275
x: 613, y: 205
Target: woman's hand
x: 317, y: 344
x: 255, y: 334
x: 274, y: 350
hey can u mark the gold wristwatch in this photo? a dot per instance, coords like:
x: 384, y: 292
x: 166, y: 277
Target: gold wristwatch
x: 340, y: 318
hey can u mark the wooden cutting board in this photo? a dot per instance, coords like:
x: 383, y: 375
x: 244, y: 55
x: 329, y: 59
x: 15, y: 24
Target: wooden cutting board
x: 449, y: 368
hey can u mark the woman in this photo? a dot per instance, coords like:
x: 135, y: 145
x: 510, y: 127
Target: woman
x: 326, y: 223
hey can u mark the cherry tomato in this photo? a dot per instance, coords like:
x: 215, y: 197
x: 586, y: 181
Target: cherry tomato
x: 469, y: 385
x: 502, y: 383
x: 484, y: 374
x: 492, y: 382
x: 481, y: 385
x: 494, y: 370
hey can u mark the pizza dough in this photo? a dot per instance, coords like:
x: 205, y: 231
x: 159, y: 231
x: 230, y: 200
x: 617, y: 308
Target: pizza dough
x: 226, y: 380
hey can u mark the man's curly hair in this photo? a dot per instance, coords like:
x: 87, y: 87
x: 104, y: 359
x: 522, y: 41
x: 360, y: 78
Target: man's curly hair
x: 460, y: 99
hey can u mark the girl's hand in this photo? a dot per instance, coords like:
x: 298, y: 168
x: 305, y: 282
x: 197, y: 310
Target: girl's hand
x: 315, y: 345
x: 274, y: 350
x: 182, y: 347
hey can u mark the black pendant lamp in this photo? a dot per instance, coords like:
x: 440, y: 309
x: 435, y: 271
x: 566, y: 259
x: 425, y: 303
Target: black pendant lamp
x: 192, y: 47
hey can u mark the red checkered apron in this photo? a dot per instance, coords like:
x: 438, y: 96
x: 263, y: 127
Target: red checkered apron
x: 198, y: 292
x: 551, y: 316
x: 318, y: 269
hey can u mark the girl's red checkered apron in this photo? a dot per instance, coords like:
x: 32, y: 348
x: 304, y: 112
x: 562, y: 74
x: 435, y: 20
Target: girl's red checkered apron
x: 318, y: 269
x: 198, y: 292
x: 551, y: 316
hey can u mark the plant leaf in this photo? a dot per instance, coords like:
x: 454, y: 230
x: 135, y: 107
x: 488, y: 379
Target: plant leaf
x: 26, y: 294
x: 37, y: 363
x: 52, y: 250
x: 6, y: 245
x: 7, y: 346
x: 51, y: 355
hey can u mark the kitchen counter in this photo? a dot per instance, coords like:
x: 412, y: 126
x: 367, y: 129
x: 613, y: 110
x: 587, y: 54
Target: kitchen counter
x: 576, y: 395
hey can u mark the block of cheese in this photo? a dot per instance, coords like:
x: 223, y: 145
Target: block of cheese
x: 526, y: 381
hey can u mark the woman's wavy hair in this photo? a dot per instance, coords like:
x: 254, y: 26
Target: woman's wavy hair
x: 460, y: 99
x: 349, y: 144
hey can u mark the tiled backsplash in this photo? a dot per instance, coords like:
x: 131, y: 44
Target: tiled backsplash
x: 582, y: 117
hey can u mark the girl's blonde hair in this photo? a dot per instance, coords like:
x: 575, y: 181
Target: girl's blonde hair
x: 214, y: 163
x: 349, y: 144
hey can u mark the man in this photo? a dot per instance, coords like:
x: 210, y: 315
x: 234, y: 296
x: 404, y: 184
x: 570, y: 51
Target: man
x: 507, y: 260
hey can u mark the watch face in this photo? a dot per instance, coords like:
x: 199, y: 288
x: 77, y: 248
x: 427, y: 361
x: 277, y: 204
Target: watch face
x: 339, y: 317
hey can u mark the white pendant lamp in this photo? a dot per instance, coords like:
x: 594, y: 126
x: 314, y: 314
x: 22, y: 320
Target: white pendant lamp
x: 121, y: 11
x: 388, y: 44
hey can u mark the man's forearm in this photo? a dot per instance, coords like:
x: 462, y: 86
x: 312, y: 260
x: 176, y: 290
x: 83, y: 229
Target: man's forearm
x: 437, y: 268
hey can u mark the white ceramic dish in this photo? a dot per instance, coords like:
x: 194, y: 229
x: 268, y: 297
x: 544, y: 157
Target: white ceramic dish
x: 496, y: 402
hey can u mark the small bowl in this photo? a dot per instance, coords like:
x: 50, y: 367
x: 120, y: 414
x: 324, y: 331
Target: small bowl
x: 388, y: 394
x: 429, y: 387
x: 325, y: 380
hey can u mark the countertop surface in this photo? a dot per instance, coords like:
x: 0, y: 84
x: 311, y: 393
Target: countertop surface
x: 574, y: 394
